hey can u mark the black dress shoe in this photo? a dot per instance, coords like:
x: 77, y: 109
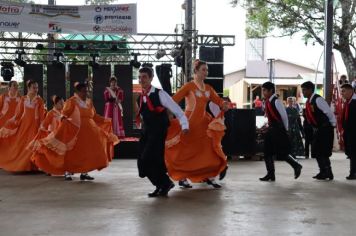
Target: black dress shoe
x: 351, y: 177
x: 86, y: 177
x: 297, y: 171
x: 317, y: 176
x: 268, y: 177
x: 213, y: 183
x: 325, y: 176
x: 223, y: 173
x: 164, y: 190
x: 184, y: 184
x: 68, y: 178
x: 154, y: 193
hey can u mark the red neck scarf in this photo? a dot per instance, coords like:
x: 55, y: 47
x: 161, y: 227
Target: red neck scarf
x: 346, y: 110
x: 149, y: 103
x: 309, y: 113
x: 271, y: 115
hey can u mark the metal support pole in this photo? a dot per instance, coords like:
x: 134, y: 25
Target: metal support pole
x: 51, y: 45
x: 328, y: 45
x: 188, y: 38
x: 271, y: 69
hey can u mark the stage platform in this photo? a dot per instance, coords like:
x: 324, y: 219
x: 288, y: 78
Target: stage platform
x: 116, y: 204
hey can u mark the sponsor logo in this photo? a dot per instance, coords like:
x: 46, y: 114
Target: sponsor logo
x: 53, y: 11
x: 118, y: 17
x: 98, y: 9
x: 112, y: 29
x: 115, y: 9
x: 55, y: 27
x: 98, y: 19
x: 9, y: 24
x: 10, y: 10
x: 96, y: 28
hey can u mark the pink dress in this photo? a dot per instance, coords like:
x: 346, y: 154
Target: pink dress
x: 113, y: 109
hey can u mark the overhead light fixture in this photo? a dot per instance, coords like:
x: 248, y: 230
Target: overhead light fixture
x: 160, y: 53
x: 94, y: 63
x: 175, y: 52
x: 58, y: 61
x: 19, y: 60
x: 147, y: 64
x: 7, y: 70
x: 135, y: 63
x: 39, y: 46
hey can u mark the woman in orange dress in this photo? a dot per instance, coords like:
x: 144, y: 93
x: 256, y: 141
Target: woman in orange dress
x: 49, y: 125
x: 198, y: 155
x: 8, y: 103
x: 83, y: 142
x: 20, y: 130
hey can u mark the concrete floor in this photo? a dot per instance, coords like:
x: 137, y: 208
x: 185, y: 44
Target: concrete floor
x: 116, y: 204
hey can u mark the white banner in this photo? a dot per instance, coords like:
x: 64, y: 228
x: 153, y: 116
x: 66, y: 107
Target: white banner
x: 99, y: 19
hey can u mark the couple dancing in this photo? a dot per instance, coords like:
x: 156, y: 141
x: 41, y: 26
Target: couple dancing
x: 188, y: 147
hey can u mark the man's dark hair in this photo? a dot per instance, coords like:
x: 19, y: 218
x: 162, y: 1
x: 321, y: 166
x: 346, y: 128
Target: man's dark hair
x: 269, y: 86
x: 147, y: 70
x: 308, y: 85
x: 347, y: 86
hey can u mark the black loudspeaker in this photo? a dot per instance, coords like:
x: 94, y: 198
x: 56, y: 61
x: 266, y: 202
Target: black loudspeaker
x: 56, y: 83
x: 164, y: 74
x: 217, y: 84
x: 124, y: 76
x: 77, y: 73
x: 240, y: 134
x: 211, y: 54
x: 34, y: 72
x: 216, y: 70
x: 101, y: 76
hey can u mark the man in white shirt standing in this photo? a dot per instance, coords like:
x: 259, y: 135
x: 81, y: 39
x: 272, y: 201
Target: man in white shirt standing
x: 153, y: 104
x: 276, y: 140
x: 323, y: 121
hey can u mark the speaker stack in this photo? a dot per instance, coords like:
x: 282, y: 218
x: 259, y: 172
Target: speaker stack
x: 214, y: 56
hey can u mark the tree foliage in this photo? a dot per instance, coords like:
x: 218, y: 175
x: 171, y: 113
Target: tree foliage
x: 288, y: 17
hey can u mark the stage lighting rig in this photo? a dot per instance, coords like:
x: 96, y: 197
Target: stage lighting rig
x: 93, y: 63
x: 160, y: 53
x: 58, y: 61
x: 7, y: 70
x: 19, y: 60
x: 147, y: 64
x: 135, y: 63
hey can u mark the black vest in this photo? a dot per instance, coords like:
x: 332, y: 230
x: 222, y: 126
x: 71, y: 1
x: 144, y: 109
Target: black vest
x: 274, y: 121
x: 321, y: 119
x: 153, y: 120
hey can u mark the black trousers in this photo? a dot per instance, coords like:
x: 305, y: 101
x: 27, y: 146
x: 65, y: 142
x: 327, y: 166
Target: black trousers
x: 322, y: 146
x: 308, y: 135
x: 151, y: 162
x: 277, y: 144
x: 350, y: 149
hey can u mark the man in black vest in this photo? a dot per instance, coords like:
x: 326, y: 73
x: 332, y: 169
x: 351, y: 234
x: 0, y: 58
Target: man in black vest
x: 276, y: 139
x: 153, y: 104
x: 349, y: 126
x: 322, y: 119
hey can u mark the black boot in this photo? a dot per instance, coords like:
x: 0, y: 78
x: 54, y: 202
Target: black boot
x: 155, y: 193
x: 326, y: 174
x: 352, y: 175
x: 296, y: 166
x: 270, y: 169
x: 269, y: 177
x: 321, y: 168
x: 165, y: 189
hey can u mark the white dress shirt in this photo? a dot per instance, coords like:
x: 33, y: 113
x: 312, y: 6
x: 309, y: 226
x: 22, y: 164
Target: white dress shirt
x: 168, y: 103
x: 325, y: 108
x: 281, y: 110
